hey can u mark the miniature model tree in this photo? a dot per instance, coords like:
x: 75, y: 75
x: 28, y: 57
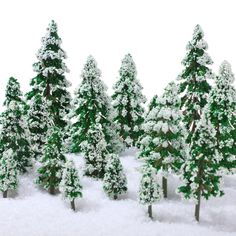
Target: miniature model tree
x: 91, y: 106
x: 8, y: 172
x: 200, y: 172
x: 221, y: 110
x: 70, y: 184
x: 114, y: 182
x: 14, y: 133
x: 163, y: 142
x: 50, y: 81
x: 39, y: 121
x: 194, y: 86
x: 149, y: 191
x: 95, y: 152
x: 128, y: 103
x: 52, y: 161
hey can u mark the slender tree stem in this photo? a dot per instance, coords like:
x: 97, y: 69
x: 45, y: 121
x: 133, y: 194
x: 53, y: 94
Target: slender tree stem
x: 72, y: 203
x: 164, y: 186
x: 5, y: 194
x: 197, y: 207
x: 150, y: 211
x: 52, y: 190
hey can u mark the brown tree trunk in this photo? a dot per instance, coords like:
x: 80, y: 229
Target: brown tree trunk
x: 72, y: 203
x: 52, y: 190
x: 115, y: 197
x: 150, y: 211
x: 164, y: 186
x: 5, y: 194
x: 197, y: 207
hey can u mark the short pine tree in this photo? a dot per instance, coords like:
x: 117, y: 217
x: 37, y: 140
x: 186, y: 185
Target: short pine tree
x: 221, y: 110
x: 149, y: 191
x: 50, y: 81
x: 200, y: 172
x: 163, y: 142
x: 128, y: 103
x: 38, y: 120
x: 8, y: 172
x: 114, y: 182
x: 14, y: 133
x: 91, y: 106
x: 52, y: 161
x: 95, y: 152
x: 194, y: 86
x: 70, y: 186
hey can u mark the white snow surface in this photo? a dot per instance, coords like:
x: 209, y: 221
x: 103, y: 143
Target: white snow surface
x: 33, y: 212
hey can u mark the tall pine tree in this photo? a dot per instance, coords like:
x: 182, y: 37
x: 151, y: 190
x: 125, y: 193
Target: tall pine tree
x: 194, y: 86
x: 163, y: 142
x: 14, y: 132
x: 128, y: 103
x: 200, y: 172
x: 91, y: 107
x: 221, y: 111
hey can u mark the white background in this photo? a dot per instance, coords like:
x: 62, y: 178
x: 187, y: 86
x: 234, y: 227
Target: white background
x: 154, y: 32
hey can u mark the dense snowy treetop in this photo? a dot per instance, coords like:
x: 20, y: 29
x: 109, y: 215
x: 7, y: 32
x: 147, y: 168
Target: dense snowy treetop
x: 226, y: 76
x: 90, y: 70
x: 128, y: 67
x: 170, y: 95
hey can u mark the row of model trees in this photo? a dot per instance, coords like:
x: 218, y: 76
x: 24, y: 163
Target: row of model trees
x: 189, y: 130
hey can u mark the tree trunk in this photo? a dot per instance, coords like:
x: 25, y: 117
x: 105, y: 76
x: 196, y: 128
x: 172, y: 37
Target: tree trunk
x: 115, y: 197
x: 150, y: 211
x: 72, y: 203
x: 164, y: 186
x: 197, y: 207
x: 52, y: 189
x: 5, y: 194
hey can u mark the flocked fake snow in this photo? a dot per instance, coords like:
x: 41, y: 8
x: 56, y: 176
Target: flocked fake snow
x: 33, y: 212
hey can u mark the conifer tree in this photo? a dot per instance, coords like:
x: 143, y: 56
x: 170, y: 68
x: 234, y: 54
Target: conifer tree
x: 128, y: 103
x: 52, y: 161
x: 50, y: 81
x: 70, y: 184
x: 95, y: 152
x: 200, y: 172
x: 149, y: 190
x: 221, y: 110
x: 39, y: 121
x: 8, y: 172
x: 114, y: 182
x: 14, y: 133
x: 163, y: 142
x: 92, y: 106
x: 194, y: 86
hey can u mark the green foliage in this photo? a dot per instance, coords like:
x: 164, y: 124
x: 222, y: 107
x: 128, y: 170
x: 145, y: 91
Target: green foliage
x: 114, y: 182
x: 128, y: 103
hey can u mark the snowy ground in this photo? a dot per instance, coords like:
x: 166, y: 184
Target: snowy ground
x: 33, y: 212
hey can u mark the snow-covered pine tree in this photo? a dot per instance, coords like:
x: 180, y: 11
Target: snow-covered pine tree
x: 92, y: 106
x: 50, y: 81
x: 128, y: 103
x: 221, y: 110
x: 14, y: 133
x: 70, y: 186
x: 149, y: 191
x: 8, y: 172
x: 163, y: 142
x: 52, y: 161
x: 114, y: 182
x: 95, y: 152
x: 39, y: 121
x: 194, y: 86
x: 200, y: 172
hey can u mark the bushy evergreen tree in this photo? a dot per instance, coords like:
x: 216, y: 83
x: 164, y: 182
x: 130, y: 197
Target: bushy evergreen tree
x: 50, y: 81
x: 39, y: 121
x: 8, y: 172
x: 14, y: 132
x: 200, y: 172
x: 52, y: 161
x: 128, y: 103
x: 92, y: 106
x: 194, y: 86
x: 114, y: 182
x: 221, y: 111
x: 70, y: 184
x: 163, y: 142
x: 95, y: 151
x: 149, y: 191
